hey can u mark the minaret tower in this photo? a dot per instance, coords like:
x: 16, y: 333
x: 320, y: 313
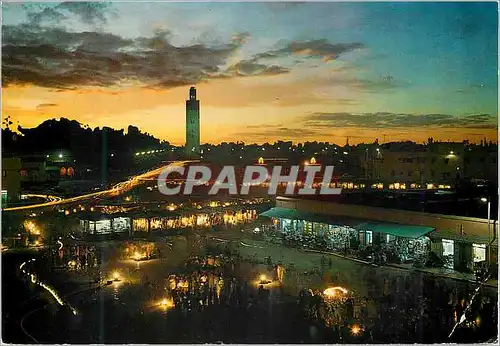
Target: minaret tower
x: 192, y: 148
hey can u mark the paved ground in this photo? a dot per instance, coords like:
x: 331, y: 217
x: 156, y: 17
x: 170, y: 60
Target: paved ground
x: 123, y: 304
x: 310, y: 259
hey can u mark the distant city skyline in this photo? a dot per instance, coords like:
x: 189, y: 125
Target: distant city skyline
x: 263, y: 71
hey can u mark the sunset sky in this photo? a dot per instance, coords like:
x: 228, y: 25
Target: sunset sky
x: 264, y: 71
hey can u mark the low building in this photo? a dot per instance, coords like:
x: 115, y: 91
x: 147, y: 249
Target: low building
x: 11, y: 180
x: 33, y: 169
x: 103, y: 224
x: 426, y: 166
x: 465, y: 240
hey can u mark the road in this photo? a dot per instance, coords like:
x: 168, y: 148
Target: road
x: 49, y: 198
x: 117, y: 189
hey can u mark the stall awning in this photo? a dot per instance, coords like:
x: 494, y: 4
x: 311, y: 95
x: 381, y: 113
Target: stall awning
x: 292, y: 214
x: 398, y: 230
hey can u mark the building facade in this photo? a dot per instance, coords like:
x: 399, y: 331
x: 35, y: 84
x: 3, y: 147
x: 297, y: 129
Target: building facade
x: 464, y: 241
x: 11, y: 180
x: 192, y: 147
x: 428, y: 166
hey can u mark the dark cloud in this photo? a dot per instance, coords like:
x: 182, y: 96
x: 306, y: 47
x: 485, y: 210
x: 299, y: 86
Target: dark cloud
x: 54, y: 57
x: 399, y: 120
x: 277, y: 131
x: 251, y: 68
x: 263, y: 126
x: 46, y: 15
x: 46, y: 105
x: 87, y: 12
x: 51, y: 56
x: 314, y: 49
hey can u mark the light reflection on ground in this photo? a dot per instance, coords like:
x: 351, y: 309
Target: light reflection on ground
x: 210, y: 297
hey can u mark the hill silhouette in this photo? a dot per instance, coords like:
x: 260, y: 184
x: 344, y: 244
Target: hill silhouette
x: 84, y: 144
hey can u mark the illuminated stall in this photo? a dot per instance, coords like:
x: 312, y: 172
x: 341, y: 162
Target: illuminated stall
x: 104, y: 224
x: 337, y: 233
x: 163, y: 221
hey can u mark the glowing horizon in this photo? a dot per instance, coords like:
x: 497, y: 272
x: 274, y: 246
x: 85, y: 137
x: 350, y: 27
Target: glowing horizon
x: 359, y: 70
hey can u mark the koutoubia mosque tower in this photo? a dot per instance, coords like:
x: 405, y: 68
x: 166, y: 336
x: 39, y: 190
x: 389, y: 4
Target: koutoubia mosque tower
x: 192, y: 148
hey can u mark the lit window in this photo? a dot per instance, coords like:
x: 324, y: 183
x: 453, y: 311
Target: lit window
x: 448, y: 247
x: 479, y: 252
x: 369, y: 235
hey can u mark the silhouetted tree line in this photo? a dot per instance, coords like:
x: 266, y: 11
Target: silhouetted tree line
x: 85, y: 145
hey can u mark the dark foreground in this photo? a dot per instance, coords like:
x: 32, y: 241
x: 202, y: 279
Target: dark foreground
x: 225, y: 302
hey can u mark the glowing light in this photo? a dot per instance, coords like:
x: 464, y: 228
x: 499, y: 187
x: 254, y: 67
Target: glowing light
x: 182, y: 284
x: 313, y: 161
x: 172, y: 283
x: 33, y: 278
x: 116, y: 276
x: 53, y: 292
x: 263, y: 277
x: 484, y: 199
x: 331, y: 292
x: 478, y: 321
x: 355, y: 329
x: 72, y: 263
x: 60, y: 245
x: 32, y: 228
x: 167, y: 303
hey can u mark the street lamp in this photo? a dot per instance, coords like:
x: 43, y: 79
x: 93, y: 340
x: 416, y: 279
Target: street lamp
x: 487, y: 200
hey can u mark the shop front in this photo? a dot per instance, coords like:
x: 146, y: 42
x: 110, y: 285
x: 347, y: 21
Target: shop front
x: 340, y: 233
x: 462, y: 253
